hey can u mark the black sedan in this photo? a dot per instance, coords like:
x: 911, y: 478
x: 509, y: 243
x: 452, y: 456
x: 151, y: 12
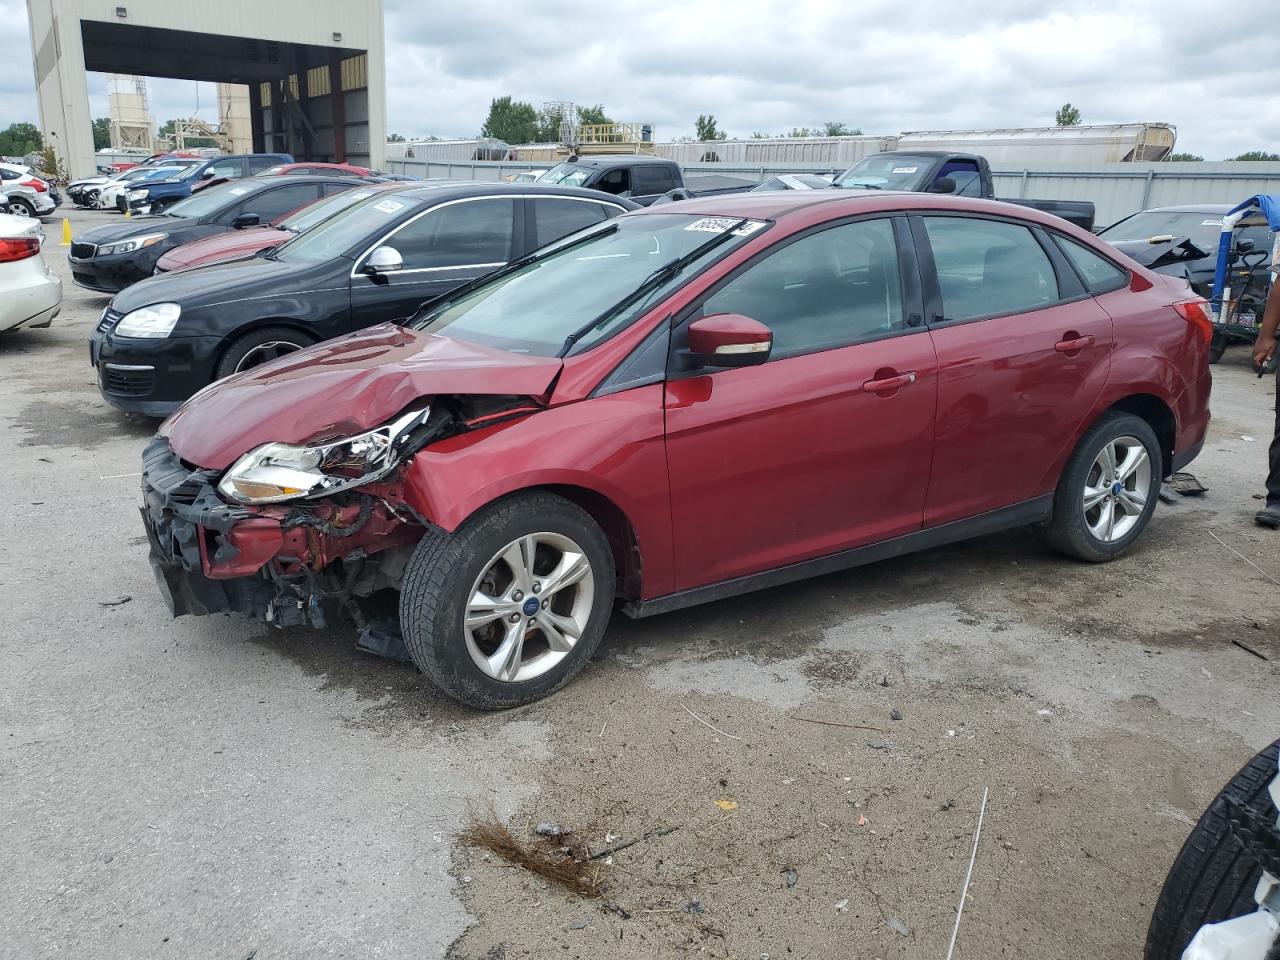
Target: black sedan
x: 163, y: 339
x: 111, y: 257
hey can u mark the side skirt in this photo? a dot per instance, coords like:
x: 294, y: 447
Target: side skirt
x: 1019, y: 515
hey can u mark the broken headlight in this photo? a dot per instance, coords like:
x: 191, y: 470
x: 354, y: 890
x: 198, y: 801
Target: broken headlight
x: 275, y: 472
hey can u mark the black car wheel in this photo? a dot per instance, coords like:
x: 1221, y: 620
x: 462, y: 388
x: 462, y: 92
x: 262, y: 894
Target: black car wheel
x: 510, y: 606
x: 1108, y: 491
x: 1215, y: 875
x: 259, y: 347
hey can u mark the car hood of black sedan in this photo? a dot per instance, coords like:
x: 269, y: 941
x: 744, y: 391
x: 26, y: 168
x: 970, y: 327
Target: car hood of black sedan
x: 133, y: 227
x: 221, y: 283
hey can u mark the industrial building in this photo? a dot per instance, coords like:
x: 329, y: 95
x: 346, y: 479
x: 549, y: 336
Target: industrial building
x: 312, y: 69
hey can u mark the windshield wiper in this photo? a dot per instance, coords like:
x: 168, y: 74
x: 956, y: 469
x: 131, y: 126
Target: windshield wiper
x: 655, y: 279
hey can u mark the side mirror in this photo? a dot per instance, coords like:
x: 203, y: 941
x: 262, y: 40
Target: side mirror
x: 942, y: 185
x: 384, y: 260
x: 207, y: 175
x: 729, y: 340
x: 245, y: 220
x: 1244, y: 245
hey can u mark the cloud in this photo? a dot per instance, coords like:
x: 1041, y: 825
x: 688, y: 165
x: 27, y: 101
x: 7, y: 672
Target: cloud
x: 881, y: 65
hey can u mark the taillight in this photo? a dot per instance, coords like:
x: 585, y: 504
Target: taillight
x: 1196, y: 312
x: 18, y: 248
x: 39, y: 186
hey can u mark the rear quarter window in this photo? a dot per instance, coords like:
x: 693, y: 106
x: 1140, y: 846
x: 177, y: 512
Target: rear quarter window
x: 1099, y: 274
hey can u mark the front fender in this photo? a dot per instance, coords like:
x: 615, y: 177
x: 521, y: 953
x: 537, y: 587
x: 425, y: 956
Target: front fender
x: 613, y: 446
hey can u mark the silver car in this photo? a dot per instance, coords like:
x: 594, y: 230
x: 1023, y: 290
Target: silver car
x: 29, y: 196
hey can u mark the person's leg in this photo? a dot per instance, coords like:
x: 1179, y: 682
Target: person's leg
x: 1270, y: 517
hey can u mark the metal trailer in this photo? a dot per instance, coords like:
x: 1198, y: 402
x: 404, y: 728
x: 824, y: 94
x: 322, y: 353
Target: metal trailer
x: 1094, y: 143
x: 836, y: 151
x: 474, y: 148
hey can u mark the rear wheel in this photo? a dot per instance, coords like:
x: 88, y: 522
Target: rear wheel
x: 1213, y: 877
x: 259, y: 347
x: 1108, y: 491
x: 21, y: 207
x: 509, y: 607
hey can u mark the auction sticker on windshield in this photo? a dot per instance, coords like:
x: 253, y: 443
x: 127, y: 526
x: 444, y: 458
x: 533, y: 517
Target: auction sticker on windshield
x: 721, y: 224
x: 236, y: 191
x: 388, y: 206
x: 905, y: 169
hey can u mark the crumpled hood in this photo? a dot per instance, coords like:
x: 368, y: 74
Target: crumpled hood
x: 343, y: 387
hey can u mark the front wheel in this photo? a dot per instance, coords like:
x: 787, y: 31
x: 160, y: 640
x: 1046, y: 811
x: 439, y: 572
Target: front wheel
x: 1108, y: 491
x: 1214, y: 877
x: 259, y: 347
x: 509, y: 607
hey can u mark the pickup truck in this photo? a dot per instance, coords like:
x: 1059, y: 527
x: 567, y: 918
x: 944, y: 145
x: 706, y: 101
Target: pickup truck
x: 958, y: 174
x: 155, y: 195
x: 639, y: 178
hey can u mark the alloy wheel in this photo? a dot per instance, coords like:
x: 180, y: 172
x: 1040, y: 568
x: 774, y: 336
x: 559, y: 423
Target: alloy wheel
x: 529, y: 607
x: 265, y: 352
x: 1117, y: 488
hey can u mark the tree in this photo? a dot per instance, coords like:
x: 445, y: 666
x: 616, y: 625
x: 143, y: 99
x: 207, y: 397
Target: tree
x: 512, y: 121
x: 101, y: 133
x: 1175, y: 157
x: 1258, y: 155
x: 395, y: 138
x: 757, y: 135
x: 837, y: 129
x: 1067, y: 116
x: 705, y: 128
x: 19, y: 139
x: 801, y: 132
x: 548, y: 130
x: 593, y: 114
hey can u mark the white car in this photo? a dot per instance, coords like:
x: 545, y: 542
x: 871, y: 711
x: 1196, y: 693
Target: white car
x: 29, y: 196
x: 30, y: 293
x: 111, y: 195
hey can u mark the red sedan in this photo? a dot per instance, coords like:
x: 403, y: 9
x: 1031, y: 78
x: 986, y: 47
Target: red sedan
x: 684, y: 404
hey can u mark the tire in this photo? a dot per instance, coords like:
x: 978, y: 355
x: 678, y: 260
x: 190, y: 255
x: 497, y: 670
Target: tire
x: 1213, y: 878
x: 251, y: 349
x: 445, y: 569
x: 21, y: 207
x: 1217, y: 347
x: 1072, y: 529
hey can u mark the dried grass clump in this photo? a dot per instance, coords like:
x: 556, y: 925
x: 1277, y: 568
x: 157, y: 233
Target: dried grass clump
x: 536, y: 856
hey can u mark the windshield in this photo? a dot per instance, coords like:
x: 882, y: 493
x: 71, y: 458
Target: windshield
x: 588, y: 286
x: 1203, y: 229
x: 884, y: 172
x: 150, y: 173
x: 313, y: 213
x: 208, y: 200
x: 568, y: 174
x: 358, y: 224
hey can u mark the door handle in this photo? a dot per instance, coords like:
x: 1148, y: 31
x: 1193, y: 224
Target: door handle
x: 889, y: 383
x: 1071, y: 346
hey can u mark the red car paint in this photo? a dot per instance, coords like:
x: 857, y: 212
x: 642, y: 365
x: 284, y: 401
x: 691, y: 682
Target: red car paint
x: 711, y: 477
x: 287, y: 168
x: 231, y: 245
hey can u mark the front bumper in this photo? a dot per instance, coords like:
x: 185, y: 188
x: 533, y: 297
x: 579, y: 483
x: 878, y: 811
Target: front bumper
x: 276, y: 563
x: 150, y: 377
x: 112, y: 274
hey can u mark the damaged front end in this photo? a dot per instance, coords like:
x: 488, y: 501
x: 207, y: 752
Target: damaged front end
x: 287, y: 530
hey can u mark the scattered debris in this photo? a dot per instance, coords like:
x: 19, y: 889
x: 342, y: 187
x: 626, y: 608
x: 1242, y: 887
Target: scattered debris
x: 727, y: 804
x: 651, y: 835
x: 1244, y: 558
x: 951, y: 733
x: 946, y: 804
x: 842, y: 906
x: 707, y: 725
x: 694, y: 906
x: 1248, y: 439
x: 1044, y: 713
x: 862, y: 819
x: 884, y: 680
x: 790, y: 875
x: 898, y: 926
x: 1187, y: 485
x: 616, y: 908
x: 549, y: 829
x: 877, y: 745
x: 575, y: 875
x: 964, y: 891
x: 895, y: 714
x: 837, y: 723
x: 1248, y: 649
x: 115, y: 602
x: 579, y: 925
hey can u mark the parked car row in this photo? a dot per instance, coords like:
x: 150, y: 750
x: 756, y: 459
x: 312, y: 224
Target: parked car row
x: 26, y: 194
x: 520, y: 404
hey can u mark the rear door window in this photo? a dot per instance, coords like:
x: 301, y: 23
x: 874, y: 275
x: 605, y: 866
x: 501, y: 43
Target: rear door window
x: 469, y: 233
x: 616, y: 182
x: 556, y: 217
x: 988, y: 268
x: 1099, y: 274
x: 648, y: 179
x: 232, y: 168
x: 270, y: 204
x: 258, y: 164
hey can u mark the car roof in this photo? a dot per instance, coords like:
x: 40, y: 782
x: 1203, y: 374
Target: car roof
x: 617, y: 160
x: 439, y: 191
x: 820, y: 205
x: 1191, y: 208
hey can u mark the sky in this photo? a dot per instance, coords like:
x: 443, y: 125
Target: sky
x: 886, y: 66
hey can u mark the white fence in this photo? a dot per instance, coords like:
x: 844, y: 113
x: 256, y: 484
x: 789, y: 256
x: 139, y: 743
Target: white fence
x: 1116, y: 189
